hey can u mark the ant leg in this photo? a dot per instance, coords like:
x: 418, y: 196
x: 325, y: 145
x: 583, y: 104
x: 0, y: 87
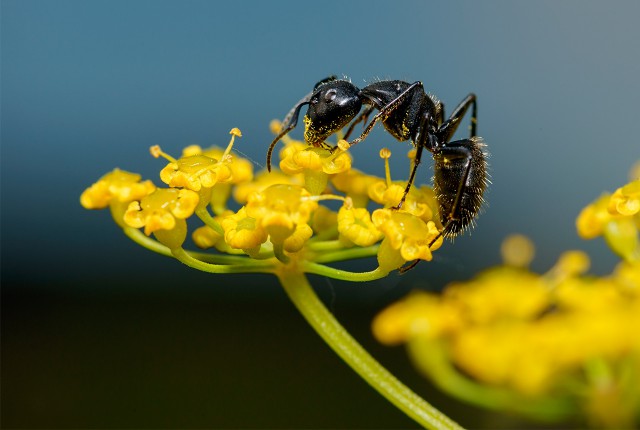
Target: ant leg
x: 412, y: 176
x: 286, y: 128
x: 423, y: 139
x: 362, y: 117
x: 386, y: 111
x: 449, y: 127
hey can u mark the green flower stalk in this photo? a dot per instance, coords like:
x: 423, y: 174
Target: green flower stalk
x: 284, y: 228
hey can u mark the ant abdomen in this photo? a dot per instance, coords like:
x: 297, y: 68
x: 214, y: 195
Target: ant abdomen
x: 460, y: 173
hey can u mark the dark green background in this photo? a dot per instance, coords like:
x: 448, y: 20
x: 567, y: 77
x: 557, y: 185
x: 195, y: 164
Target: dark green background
x: 97, y: 332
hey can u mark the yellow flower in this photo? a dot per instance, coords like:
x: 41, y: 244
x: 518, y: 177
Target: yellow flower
x: 241, y: 168
x: 324, y: 220
x: 617, y: 218
x: 355, y: 225
x: 119, y: 185
x: 355, y: 185
x: 279, y: 209
x: 205, y: 237
x: 622, y: 237
x: 296, y: 241
x: 593, y: 218
x: 242, y: 231
x: 627, y: 276
x: 495, y: 354
x: 570, y: 263
x: 500, y: 293
x: 419, y: 202
x: 316, y: 164
x: 406, y: 238
x: 529, y: 335
x: 195, y: 172
x: 417, y: 315
x: 626, y: 200
x: 262, y: 181
x: 296, y: 156
x: 163, y: 213
x: 589, y: 295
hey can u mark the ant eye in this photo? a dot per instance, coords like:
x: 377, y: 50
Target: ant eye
x: 330, y: 95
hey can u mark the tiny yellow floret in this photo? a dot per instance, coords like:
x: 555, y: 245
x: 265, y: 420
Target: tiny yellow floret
x: 160, y: 209
x: 119, y: 185
x: 355, y: 225
x: 279, y: 209
x: 242, y: 231
x: 407, y: 234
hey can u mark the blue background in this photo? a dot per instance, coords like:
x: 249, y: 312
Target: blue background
x: 99, y: 332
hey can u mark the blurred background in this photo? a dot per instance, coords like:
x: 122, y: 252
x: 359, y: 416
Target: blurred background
x: 98, y: 332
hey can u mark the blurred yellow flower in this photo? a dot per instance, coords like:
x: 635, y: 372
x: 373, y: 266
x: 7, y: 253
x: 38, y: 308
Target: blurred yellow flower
x: 534, y: 338
x: 626, y: 200
x: 616, y: 217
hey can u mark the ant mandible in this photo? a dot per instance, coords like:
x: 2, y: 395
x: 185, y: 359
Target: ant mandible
x: 407, y: 113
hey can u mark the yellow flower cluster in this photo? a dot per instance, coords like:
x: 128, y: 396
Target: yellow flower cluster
x: 514, y: 339
x: 282, y: 214
x: 616, y: 217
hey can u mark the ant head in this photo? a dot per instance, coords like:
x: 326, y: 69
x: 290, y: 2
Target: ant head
x: 331, y: 107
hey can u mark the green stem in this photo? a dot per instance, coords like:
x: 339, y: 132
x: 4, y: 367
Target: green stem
x: 206, y: 218
x: 153, y: 245
x: 327, y: 245
x: 304, y: 298
x: 345, y: 275
x: 347, y: 254
x: 249, y: 266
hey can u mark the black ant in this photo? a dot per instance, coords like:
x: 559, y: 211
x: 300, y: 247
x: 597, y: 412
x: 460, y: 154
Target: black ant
x: 407, y: 113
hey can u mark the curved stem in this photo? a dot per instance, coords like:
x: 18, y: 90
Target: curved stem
x: 345, y: 275
x: 250, y: 266
x: 347, y: 254
x: 323, y: 322
x: 206, y: 218
x: 153, y: 245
